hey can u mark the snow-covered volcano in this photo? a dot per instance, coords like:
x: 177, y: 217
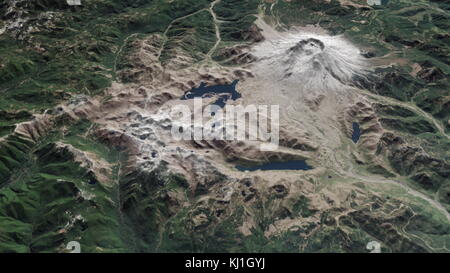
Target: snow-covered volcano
x: 313, y: 78
x: 312, y: 62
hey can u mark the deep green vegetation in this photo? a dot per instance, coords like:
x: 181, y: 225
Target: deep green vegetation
x: 237, y: 17
x: 76, y: 51
x: 47, y: 198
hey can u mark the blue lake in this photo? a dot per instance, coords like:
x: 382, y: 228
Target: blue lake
x: 356, y: 132
x: 227, y: 91
x: 271, y: 166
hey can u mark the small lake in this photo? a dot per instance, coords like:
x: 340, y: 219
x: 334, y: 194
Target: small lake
x: 226, y: 92
x: 356, y: 132
x: 272, y: 166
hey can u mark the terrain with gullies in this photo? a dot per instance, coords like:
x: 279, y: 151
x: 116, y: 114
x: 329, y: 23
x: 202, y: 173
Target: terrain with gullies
x: 86, y: 152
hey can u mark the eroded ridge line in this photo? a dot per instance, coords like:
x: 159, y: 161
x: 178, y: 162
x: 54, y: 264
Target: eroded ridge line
x: 216, y: 25
x: 170, y: 26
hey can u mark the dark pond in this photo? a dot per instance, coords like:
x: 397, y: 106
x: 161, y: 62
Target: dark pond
x: 356, y: 132
x: 287, y: 165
